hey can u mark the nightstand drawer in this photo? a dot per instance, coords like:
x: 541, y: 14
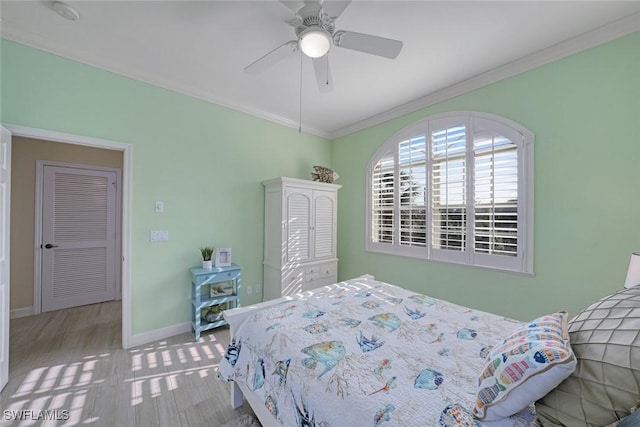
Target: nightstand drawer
x: 220, y: 276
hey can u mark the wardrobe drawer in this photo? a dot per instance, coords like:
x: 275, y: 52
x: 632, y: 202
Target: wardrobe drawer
x: 292, y: 281
x: 328, y: 269
x: 313, y: 270
x: 326, y: 281
x: 313, y: 277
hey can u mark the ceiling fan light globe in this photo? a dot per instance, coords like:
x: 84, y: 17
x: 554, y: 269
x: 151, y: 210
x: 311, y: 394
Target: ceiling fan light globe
x: 315, y: 43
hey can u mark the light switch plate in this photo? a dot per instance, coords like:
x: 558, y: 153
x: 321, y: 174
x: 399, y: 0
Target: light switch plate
x: 158, y: 235
x: 159, y: 207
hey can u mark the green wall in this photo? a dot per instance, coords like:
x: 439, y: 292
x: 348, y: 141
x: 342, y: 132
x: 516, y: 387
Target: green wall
x: 206, y: 163
x: 585, y: 113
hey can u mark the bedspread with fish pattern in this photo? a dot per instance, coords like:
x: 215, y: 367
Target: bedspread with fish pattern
x: 364, y: 352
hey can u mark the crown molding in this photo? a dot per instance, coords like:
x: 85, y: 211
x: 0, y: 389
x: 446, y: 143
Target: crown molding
x: 10, y: 31
x: 588, y: 40
x: 553, y: 53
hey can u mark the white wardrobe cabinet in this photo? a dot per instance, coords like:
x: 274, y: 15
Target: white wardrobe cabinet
x: 299, y: 236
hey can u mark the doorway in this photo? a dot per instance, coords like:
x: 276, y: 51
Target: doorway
x: 124, y: 150
x: 56, y: 192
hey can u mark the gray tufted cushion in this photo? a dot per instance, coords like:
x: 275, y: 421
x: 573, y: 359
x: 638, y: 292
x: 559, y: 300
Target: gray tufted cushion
x: 605, y: 339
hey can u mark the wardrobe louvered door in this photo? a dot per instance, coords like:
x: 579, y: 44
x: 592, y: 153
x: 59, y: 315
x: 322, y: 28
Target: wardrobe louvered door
x: 298, y: 224
x: 324, y: 223
x: 79, y: 236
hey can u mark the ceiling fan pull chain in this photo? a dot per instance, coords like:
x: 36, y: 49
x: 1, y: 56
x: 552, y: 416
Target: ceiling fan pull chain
x: 300, y: 108
x: 326, y: 70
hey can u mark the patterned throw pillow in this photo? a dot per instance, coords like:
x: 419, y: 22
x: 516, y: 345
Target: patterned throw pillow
x: 606, y: 383
x: 632, y: 420
x: 530, y: 362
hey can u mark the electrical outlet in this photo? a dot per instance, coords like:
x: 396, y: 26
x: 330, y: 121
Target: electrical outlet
x: 257, y: 288
x: 159, y: 207
x: 249, y: 290
x: 158, y: 235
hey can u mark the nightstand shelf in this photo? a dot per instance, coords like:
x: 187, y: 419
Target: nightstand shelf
x: 202, y: 282
x: 209, y: 301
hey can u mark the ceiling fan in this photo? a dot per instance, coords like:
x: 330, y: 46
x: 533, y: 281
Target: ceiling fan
x: 314, y: 26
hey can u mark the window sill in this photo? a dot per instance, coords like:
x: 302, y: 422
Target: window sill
x: 402, y: 254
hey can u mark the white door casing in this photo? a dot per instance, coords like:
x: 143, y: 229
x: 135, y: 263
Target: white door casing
x: 5, y: 200
x: 78, y: 236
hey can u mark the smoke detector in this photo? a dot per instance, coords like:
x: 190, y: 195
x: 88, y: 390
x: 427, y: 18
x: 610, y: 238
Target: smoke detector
x: 65, y: 11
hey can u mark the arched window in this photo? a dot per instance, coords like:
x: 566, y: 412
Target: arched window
x: 455, y: 187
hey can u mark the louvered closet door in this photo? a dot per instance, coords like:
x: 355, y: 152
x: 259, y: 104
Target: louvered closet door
x: 298, y: 226
x: 79, y: 211
x: 324, y: 224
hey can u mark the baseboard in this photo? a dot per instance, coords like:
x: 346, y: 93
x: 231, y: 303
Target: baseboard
x: 21, y: 312
x: 159, y: 334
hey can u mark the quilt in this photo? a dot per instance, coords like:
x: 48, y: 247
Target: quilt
x: 364, y: 352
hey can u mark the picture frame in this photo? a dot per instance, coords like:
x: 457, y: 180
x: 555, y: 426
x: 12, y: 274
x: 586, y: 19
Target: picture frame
x: 223, y: 257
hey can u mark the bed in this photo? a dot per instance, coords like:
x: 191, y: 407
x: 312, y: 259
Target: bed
x: 362, y: 352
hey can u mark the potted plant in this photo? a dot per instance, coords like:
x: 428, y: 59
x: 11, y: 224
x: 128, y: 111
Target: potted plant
x: 207, y: 253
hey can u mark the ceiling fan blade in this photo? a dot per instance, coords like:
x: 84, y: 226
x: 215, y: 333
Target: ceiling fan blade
x: 334, y: 8
x: 323, y: 73
x: 293, y: 6
x: 276, y: 55
x: 367, y: 43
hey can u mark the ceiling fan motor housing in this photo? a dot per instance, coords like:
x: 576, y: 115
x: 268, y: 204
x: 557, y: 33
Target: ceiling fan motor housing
x: 314, y: 17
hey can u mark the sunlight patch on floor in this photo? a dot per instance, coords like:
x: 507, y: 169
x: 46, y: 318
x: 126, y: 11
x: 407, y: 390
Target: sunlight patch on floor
x: 97, y: 388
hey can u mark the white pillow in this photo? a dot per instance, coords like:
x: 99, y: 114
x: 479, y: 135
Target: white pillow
x: 524, y: 367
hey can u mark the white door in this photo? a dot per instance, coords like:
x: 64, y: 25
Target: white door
x: 5, y: 199
x: 78, y: 237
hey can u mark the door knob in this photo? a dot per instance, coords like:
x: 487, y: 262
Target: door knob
x: 49, y: 246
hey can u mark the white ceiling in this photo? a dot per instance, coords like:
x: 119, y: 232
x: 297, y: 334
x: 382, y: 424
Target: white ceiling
x: 201, y: 47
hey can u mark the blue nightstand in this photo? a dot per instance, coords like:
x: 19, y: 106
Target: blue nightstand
x: 204, y: 283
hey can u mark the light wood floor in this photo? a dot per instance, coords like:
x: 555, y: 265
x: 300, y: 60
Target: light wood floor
x: 72, y: 360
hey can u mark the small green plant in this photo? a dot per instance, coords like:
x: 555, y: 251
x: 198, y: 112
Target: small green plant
x: 207, y: 253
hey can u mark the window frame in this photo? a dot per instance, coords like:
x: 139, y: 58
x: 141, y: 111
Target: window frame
x: 523, y: 138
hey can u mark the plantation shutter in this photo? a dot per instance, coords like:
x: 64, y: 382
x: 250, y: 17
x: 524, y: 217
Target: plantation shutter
x: 461, y: 192
x: 382, y: 198
x: 449, y: 187
x: 412, y: 181
x: 496, y: 194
